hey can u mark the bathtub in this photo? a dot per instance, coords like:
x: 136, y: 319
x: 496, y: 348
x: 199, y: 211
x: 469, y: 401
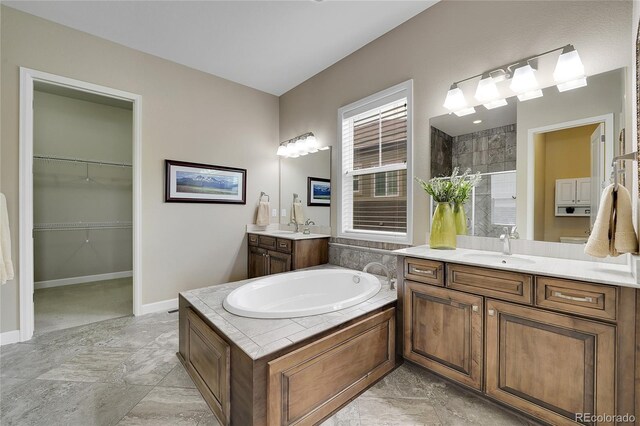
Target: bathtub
x: 302, y: 293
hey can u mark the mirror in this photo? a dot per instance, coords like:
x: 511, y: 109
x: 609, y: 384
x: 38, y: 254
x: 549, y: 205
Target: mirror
x: 544, y: 162
x: 297, y: 176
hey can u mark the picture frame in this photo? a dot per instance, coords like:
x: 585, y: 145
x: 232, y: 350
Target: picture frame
x: 318, y: 192
x: 204, y: 183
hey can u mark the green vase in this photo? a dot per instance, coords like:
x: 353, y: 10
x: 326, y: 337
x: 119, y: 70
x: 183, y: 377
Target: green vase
x: 443, y: 228
x: 460, y: 217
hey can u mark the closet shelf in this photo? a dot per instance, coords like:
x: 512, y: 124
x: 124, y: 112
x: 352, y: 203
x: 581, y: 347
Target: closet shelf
x: 81, y: 226
x: 80, y: 161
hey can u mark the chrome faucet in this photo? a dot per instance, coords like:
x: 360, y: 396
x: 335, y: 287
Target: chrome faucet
x: 306, y: 229
x: 296, y: 224
x: 392, y: 284
x: 507, y: 237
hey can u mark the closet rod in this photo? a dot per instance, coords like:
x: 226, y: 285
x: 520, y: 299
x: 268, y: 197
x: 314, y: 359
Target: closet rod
x: 77, y: 160
x: 84, y: 226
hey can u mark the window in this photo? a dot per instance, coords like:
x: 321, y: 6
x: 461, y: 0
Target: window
x: 376, y: 166
x: 386, y: 184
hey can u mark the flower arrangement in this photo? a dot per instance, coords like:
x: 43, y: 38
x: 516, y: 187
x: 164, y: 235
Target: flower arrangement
x: 453, y: 189
x: 447, y: 223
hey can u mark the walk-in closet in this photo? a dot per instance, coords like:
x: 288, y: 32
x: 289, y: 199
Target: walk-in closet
x: 82, y: 207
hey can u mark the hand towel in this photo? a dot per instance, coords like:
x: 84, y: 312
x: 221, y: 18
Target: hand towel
x: 613, y: 233
x: 625, y: 239
x: 6, y: 265
x: 262, y: 218
x: 296, y: 213
x: 599, y: 241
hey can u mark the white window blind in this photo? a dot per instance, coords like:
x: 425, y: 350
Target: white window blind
x: 375, y: 153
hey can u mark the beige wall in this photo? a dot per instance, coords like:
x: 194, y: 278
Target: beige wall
x: 186, y: 115
x: 77, y: 128
x: 450, y: 41
x: 567, y: 154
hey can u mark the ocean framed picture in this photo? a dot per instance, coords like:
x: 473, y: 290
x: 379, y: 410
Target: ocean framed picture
x: 318, y: 192
x: 204, y: 183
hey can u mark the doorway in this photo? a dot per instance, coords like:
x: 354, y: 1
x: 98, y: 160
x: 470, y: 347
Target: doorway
x: 570, y: 164
x: 80, y: 193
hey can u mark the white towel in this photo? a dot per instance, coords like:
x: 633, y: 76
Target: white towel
x: 296, y: 213
x: 6, y: 265
x: 625, y: 237
x: 262, y: 218
x: 613, y: 232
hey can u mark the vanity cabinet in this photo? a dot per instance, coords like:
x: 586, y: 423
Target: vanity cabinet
x: 273, y: 255
x: 443, y: 331
x: 550, y: 365
x: 548, y: 347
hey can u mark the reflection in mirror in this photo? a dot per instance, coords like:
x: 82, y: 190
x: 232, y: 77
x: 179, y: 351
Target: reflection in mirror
x: 544, y: 162
x: 294, y: 179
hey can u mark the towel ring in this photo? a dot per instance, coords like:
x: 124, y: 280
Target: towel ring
x: 264, y: 194
x: 632, y: 156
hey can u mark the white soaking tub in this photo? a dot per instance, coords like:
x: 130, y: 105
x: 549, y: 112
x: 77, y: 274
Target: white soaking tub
x: 302, y: 293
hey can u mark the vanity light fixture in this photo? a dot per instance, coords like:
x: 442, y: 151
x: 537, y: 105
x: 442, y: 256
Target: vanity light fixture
x: 487, y: 93
x: 299, y: 146
x: 569, y: 74
x: 524, y: 83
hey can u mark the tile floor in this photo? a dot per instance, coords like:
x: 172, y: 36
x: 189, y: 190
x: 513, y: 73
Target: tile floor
x: 124, y: 371
x: 57, y: 308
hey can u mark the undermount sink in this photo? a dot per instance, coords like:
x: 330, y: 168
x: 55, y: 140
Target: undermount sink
x: 283, y: 232
x: 498, y: 258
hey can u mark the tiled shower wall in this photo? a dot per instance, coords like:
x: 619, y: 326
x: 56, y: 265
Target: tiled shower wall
x: 491, y: 150
x: 441, y: 153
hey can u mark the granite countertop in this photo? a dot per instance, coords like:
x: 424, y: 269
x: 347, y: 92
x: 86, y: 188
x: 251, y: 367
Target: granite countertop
x: 289, y: 235
x: 261, y: 337
x: 597, y: 272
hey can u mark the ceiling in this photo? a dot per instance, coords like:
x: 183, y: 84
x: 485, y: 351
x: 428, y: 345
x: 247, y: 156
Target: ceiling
x: 269, y: 45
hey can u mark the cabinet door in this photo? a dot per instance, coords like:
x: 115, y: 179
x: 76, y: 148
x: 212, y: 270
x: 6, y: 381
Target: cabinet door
x: 207, y: 360
x: 278, y: 262
x: 549, y: 365
x: 443, y: 332
x: 583, y: 191
x: 306, y: 385
x: 258, y: 263
x: 565, y: 192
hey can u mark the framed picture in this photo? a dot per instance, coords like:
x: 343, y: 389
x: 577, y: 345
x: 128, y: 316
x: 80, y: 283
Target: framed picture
x: 318, y: 192
x: 204, y: 183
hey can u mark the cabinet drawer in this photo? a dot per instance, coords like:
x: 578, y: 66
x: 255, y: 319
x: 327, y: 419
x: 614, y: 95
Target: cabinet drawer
x: 425, y: 271
x: 253, y: 240
x: 306, y: 385
x: 267, y: 242
x: 504, y: 285
x: 284, y: 245
x: 593, y: 300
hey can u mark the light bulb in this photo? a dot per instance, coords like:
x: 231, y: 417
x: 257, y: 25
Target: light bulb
x: 487, y: 90
x: 525, y: 84
x: 312, y: 143
x: 455, y: 99
x: 282, y: 151
x: 569, y: 73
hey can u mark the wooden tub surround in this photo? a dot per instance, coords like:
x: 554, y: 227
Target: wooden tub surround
x: 282, y: 371
x: 547, y: 347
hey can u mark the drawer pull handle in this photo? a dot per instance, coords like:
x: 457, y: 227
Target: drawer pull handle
x: 424, y: 271
x: 575, y: 299
x: 283, y: 244
x: 491, y: 312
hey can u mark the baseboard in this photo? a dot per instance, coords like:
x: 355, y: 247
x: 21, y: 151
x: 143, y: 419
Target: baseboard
x: 162, y: 306
x: 9, y: 337
x: 82, y: 280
